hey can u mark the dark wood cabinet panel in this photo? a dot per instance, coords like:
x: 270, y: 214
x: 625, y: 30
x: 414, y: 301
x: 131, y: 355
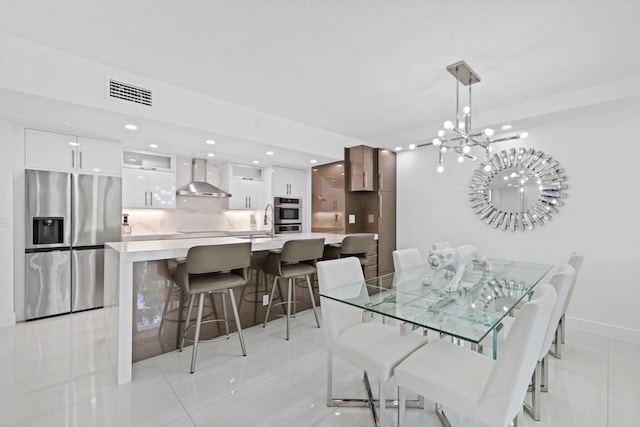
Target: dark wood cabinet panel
x: 386, y: 166
x: 361, y: 171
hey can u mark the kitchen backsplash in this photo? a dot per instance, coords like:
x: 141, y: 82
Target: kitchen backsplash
x: 193, y: 214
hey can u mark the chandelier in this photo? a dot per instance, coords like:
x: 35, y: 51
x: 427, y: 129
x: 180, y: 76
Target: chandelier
x: 458, y: 136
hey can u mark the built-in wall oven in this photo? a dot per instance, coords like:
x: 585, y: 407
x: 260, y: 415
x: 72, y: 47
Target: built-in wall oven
x: 287, y: 215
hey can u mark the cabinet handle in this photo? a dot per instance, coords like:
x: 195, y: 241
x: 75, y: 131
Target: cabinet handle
x: 146, y: 201
x: 379, y: 205
x: 80, y: 162
x: 364, y: 179
x: 150, y: 198
x: 73, y: 159
x: 249, y: 201
x: 380, y: 184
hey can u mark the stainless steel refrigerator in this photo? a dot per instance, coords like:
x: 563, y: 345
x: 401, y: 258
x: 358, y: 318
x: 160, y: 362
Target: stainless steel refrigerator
x: 69, y: 219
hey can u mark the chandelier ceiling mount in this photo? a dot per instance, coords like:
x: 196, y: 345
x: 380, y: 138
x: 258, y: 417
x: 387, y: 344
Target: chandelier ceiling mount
x: 458, y: 136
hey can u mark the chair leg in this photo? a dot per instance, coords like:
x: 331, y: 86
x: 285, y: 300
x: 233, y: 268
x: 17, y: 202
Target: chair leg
x: 225, y: 315
x: 382, y: 403
x: 273, y: 289
x: 289, y: 291
x: 186, y: 322
x: 197, y: 335
x: 402, y: 397
x: 544, y: 382
x: 237, y: 318
x: 180, y: 310
x: 329, y: 378
x: 534, y: 409
x: 313, y: 301
x: 562, y: 329
x: 442, y: 416
x: 557, y: 347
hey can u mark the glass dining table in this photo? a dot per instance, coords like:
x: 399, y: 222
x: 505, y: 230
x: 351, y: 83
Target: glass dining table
x: 417, y: 298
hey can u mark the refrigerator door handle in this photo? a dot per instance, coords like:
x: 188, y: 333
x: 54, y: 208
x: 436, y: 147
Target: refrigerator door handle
x: 145, y: 198
x: 80, y: 162
x: 73, y: 159
x: 150, y: 198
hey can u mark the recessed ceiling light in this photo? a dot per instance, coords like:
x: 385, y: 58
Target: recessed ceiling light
x: 398, y: 148
x: 210, y: 141
x: 339, y: 165
x: 412, y: 146
x: 130, y: 126
x: 269, y: 153
x: 74, y: 144
x: 153, y: 145
x: 506, y: 127
x: 133, y: 160
x: 315, y: 170
x: 211, y: 155
x: 255, y: 162
x: 313, y: 161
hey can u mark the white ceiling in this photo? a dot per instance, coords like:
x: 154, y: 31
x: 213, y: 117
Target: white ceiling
x: 369, y: 69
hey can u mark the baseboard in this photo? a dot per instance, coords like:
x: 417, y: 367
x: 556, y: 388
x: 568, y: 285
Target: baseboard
x: 7, y: 319
x: 604, y: 330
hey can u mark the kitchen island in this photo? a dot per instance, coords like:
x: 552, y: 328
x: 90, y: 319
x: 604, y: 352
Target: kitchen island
x: 118, y: 283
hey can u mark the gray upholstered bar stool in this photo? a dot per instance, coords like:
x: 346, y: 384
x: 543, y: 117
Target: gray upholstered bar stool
x: 357, y: 245
x: 297, y: 259
x: 215, y: 269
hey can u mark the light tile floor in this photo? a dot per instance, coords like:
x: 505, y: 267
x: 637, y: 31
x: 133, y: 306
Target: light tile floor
x: 54, y: 372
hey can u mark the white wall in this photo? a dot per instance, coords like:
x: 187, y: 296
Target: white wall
x: 7, y: 314
x: 600, y: 155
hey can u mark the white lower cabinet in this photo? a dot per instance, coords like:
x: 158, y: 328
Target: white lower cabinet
x: 148, y: 189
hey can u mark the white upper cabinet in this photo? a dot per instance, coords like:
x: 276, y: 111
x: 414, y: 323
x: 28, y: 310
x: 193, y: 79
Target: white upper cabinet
x: 69, y: 153
x: 246, y: 194
x: 147, y: 160
x: 246, y: 185
x: 142, y: 188
x: 148, y: 180
x: 288, y: 182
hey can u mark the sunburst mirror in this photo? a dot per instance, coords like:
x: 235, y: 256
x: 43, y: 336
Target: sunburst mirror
x: 517, y: 189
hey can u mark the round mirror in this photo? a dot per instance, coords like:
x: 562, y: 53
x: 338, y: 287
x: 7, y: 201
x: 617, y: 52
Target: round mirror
x: 517, y: 189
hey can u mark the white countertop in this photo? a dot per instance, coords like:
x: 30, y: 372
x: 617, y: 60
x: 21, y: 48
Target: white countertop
x: 148, y: 250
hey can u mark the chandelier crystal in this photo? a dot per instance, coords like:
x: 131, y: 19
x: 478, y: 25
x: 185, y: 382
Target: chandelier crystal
x: 458, y: 136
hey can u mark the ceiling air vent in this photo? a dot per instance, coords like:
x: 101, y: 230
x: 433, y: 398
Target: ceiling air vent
x: 130, y: 93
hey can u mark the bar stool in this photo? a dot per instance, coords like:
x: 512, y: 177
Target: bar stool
x: 297, y: 259
x: 209, y: 270
x: 355, y: 245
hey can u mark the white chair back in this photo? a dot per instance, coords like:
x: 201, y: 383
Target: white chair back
x: 336, y: 316
x: 575, y: 261
x: 561, y: 282
x: 507, y: 384
x: 404, y: 259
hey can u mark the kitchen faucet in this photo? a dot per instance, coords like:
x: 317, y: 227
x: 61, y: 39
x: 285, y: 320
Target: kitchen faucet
x: 273, y: 231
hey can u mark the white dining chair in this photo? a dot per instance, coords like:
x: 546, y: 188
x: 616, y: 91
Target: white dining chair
x: 575, y: 260
x: 561, y: 281
x: 473, y: 384
x: 404, y: 259
x: 376, y: 348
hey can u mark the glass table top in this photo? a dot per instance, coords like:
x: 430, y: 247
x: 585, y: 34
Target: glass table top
x: 417, y: 296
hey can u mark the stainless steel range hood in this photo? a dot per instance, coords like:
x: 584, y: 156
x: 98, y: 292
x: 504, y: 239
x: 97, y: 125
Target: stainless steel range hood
x: 199, y: 187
